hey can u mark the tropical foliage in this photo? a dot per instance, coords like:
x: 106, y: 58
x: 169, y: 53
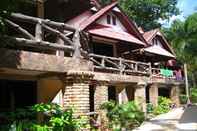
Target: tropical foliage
x: 52, y: 118
x: 183, y: 99
x: 163, y: 106
x: 194, y: 95
x: 126, y: 115
x: 183, y: 37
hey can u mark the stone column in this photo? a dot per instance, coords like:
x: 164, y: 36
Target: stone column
x: 140, y: 95
x: 121, y: 94
x: 153, y: 94
x: 76, y: 92
x: 174, y: 94
x: 100, y: 96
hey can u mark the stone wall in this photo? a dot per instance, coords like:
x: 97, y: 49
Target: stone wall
x: 100, y: 95
x: 76, y: 92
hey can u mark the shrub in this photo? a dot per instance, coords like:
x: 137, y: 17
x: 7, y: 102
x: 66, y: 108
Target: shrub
x: 183, y: 99
x: 193, y: 95
x: 123, y: 115
x: 149, y: 107
x: 163, y: 106
x: 54, y: 119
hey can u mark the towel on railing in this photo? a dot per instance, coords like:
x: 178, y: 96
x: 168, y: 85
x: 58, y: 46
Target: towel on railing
x: 166, y: 72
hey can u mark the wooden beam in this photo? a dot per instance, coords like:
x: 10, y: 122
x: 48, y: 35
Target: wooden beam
x: 38, y: 31
x: 40, y: 8
x: 77, y: 45
x: 20, y: 29
x: 35, y: 20
x: 38, y: 44
x: 58, y: 33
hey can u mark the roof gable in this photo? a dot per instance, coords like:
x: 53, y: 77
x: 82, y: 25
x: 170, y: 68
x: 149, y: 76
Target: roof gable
x: 97, y: 15
x: 150, y: 35
x: 92, y: 17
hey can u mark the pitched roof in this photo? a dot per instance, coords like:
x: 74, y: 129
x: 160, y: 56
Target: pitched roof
x: 158, y: 51
x: 97, y: 15
x: 76, y: 21
x: 108, y: 32
x: 149, y: 35
x: 88, y: 18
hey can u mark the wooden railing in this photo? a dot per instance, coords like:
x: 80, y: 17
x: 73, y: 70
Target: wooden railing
x: 122, y: 66
x: 27, y: 37
x: 156, y: 72
x: 119, y: 65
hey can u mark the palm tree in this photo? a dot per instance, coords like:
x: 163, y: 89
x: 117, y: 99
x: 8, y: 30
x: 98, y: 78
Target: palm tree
x: 183, y: 37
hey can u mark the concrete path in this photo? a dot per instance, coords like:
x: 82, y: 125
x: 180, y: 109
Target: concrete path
x: 176, y: 120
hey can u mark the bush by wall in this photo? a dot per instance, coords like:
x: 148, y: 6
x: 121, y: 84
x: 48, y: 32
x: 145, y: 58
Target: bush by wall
x: 123, y: 115
x: 163, y: 106
x: 53, y: 118
x: 183, y: 99
x: 193, y: 95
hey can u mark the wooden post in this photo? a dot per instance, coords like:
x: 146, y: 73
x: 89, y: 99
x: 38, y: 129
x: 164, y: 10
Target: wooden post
x: 121, y: 66
x: 77, y: 45
x: 150, y: 69
x: 103, y: 62
x: 40, y: 8
x: 38, y: 31
x: 136, y: 66
x: 186, y: 83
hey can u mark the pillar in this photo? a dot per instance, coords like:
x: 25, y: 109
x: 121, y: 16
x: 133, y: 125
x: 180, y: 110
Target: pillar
x: 153, y: 94
x: 140, y: 95
x: 100, y: 96
x: 174, y: 94
x: 121, y: 94
x: 76, y: 92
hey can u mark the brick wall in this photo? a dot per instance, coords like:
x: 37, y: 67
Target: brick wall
x: 100, y: 96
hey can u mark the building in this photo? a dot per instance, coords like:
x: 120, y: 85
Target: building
x: 91, y: 55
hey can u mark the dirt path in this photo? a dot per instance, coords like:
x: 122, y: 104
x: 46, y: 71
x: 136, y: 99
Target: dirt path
x: 176, y: 120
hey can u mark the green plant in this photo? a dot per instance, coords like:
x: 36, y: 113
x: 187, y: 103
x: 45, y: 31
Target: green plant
x: 54, y: 118
x: 193, y: 95
x: 163, y: 106
x: 149, y: 107
x: 183, y: 99
x: 123, y: 115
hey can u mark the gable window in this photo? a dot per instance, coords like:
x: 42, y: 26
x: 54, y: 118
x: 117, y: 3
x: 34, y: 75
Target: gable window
x: 114, y: 20
x: 108, y: 19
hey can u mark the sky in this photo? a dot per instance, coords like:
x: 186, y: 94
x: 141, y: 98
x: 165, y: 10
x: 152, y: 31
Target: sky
x: 187, y: 7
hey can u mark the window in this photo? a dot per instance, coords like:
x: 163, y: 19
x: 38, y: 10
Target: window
x: 114, y: 20
x: 111, y: 20
x: 108, y: 19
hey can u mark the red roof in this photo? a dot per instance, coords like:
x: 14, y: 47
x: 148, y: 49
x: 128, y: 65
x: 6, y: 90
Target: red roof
x: 97, y: 15
x: 118, y: 35
x: 87, y: 19
x: 149, y: 35
x: 76, y: 21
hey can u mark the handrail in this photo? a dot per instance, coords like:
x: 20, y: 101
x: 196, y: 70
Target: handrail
x: 120, y: 65
x: 156, y: 72
x: 29, y: 37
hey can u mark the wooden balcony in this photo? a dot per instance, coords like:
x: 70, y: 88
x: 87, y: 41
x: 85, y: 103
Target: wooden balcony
x: 119, y: 65
x: 127, y: 71
x: 33, y: 54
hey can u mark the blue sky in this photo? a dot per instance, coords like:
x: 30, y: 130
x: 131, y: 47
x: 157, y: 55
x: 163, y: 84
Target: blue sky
x: 187, y: 7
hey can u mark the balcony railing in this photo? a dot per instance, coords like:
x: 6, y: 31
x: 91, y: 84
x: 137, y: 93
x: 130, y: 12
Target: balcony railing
x: 156, y: 73
x: 122, y: 66
x: 66, y: 38
x: 119, y: 65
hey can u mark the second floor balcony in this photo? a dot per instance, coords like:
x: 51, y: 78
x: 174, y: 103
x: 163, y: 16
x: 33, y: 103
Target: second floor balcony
x: 56, y: 48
